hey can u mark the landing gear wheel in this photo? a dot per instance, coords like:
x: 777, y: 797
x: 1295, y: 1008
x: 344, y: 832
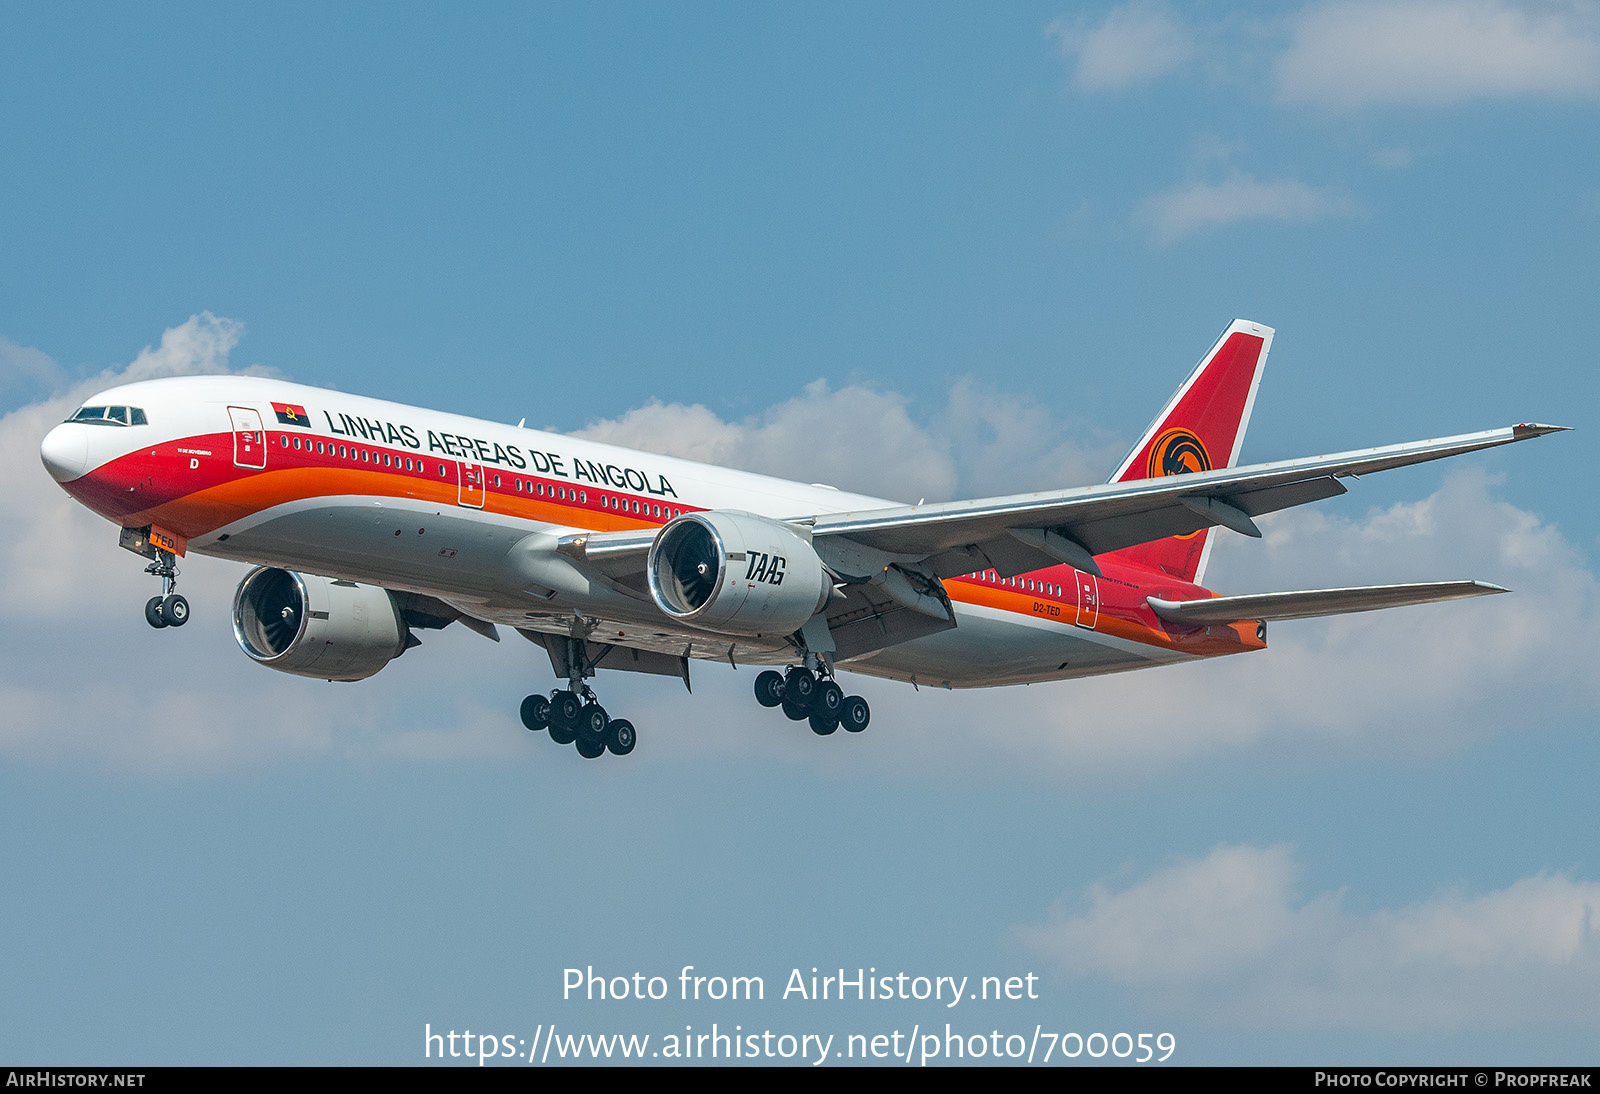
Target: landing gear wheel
x: 588, y: 749
x: 855, y: 714
x: 536, y: 712
x: 620, y: 737
x: 823, y: 723
x: 800, y: 687
x: 769, y: 688
x: 175, y: 610
x: 829, y: 699
x: 152, y: 613
x: 562, y: 735
x: 592, y: 722
x: 794, y: 713
x: 564, y: 710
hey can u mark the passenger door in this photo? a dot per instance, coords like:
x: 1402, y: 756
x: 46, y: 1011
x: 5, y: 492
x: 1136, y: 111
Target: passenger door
x: 249, y: 440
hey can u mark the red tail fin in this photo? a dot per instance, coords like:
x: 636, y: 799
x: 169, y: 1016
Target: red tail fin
x: 1200, y: 428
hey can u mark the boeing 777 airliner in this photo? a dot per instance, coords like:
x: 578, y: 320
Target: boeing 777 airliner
x: 369, y: 521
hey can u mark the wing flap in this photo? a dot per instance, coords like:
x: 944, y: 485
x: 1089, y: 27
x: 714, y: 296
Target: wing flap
x: 1316, y: 602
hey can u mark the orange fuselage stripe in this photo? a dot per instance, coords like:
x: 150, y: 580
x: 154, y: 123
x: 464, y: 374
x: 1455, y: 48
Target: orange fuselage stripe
x: 245, y: 492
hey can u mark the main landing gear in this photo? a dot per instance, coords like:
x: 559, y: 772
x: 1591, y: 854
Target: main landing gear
x: 169, y: 609
x: 805, y: 697
x: 575, y: 718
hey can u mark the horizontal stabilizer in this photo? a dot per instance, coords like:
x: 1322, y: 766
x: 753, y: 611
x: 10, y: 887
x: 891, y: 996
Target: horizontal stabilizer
x: 1316, y: 602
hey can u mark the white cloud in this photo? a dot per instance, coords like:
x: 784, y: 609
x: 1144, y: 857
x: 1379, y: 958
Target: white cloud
x: 1134, y: 44
x: 196, y: 347
x: 25, y: 369
x: 1195, y: 207
x: 1227, y: 937
x: 860, y: 439
x: 1348, y: 54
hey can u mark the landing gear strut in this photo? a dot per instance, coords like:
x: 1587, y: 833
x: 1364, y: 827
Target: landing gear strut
x: 169, y: 609
x: 805, y: 698
x: 575, y: 717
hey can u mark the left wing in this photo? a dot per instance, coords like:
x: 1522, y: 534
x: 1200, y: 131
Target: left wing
x: 888, y: 563
x: 1030, y: 531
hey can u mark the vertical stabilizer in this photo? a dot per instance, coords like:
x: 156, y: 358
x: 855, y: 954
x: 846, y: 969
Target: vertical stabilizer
x: 1201, y: 427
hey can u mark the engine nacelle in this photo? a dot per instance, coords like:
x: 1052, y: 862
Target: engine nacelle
x: 317, y: 626
x: 738, y: 573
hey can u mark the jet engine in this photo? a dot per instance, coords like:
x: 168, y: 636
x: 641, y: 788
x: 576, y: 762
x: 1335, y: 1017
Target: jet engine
x: 737, y: 573
x: 317, y: 626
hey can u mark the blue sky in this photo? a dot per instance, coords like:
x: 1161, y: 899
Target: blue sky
x: 912, y: 250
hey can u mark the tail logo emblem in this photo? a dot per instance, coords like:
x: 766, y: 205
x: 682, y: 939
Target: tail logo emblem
x: 1177, y: 452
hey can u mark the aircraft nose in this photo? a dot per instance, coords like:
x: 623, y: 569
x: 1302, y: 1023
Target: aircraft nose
x: 65, y: 452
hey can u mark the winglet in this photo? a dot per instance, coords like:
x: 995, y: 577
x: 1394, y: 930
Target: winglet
x: 1524, y: 430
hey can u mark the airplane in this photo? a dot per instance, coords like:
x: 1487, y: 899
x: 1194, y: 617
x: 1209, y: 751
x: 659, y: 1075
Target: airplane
x: 368, y: 521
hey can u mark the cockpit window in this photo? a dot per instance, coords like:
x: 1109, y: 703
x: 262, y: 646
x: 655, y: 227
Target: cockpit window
x: 110, y: 415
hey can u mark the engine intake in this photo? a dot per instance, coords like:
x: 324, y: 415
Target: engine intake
x: 317, y: 626
x: 738, y: 573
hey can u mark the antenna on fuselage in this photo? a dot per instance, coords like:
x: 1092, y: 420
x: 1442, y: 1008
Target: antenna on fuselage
x: 522, y: 423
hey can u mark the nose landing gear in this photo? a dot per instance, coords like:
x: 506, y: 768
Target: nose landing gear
x: 169, y: 609
x: 805, y: 698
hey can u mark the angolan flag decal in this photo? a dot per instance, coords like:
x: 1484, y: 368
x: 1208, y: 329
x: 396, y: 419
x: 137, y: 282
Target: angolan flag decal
x: 289, y: 414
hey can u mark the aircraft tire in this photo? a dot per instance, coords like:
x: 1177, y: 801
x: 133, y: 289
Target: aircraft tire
x: 175, y: 610
x: 564, y: 710
x: 592, y: 722
x: 152, y: 613
x: 769, y: 688
x: 800, y: 687
x: 823, y: 723
x: 621, y: 737
x: 535, y: 712
x: 562, y: 735
x: 795, y: 713
x: 590, y: 750
x: 829, y: 697
x: 855, y: 714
